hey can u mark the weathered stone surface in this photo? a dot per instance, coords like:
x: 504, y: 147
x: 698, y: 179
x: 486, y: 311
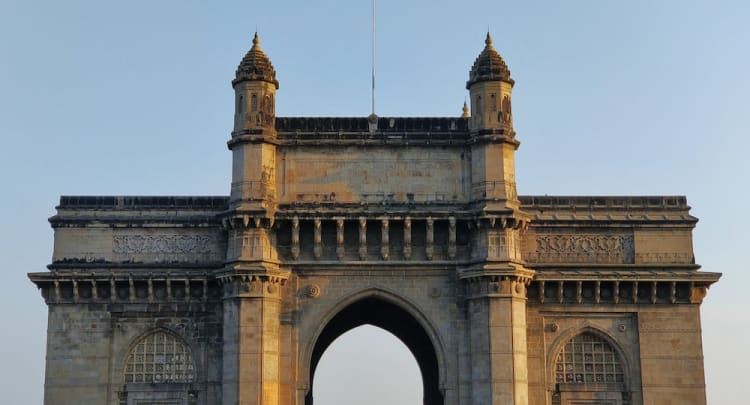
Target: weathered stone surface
x: 410, y: 224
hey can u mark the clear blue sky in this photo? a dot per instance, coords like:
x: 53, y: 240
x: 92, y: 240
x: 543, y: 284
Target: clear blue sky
x: 612, y: 97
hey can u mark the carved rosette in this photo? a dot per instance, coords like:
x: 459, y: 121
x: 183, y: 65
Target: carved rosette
x: 251, y: 286
x: 312, y: 291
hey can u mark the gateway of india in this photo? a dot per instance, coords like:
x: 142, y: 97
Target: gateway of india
x: 409, y: 224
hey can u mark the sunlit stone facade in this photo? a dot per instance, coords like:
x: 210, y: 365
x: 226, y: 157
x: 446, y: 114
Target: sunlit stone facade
x: 413, y: 225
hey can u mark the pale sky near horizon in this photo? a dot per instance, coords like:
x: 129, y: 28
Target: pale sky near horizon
x: 639, y: 97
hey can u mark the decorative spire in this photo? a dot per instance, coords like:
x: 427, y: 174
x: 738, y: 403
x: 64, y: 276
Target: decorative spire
x: 256, y: 41
x: 489, y: 66
x: 465, y: 111
x: 256, y: 66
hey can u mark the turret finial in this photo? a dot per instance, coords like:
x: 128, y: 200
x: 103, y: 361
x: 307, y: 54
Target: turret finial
x: 488, y: 40
x: 256, y: 40
x: 465, y: 110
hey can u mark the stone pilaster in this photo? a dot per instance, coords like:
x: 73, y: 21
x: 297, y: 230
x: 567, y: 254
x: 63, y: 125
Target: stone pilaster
x: 251, y: 361
x: 497, y: 335
x: 495, y: 289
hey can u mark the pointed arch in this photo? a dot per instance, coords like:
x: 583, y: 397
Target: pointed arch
x: 159, y: 356
x: 592, y: 360
x: 393, y: 313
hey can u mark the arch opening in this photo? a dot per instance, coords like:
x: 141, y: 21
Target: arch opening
x: 368, y: 366
x: 392, y: 318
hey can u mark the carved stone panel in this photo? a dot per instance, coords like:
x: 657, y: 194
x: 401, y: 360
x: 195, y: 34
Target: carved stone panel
x: 580, y: 248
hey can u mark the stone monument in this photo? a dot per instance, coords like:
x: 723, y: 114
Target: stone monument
x: 409, y: 224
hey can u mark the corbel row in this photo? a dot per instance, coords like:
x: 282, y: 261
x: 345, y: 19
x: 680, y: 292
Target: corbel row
x: 246, y: 221
x: 616, y: 292
x: 250, y: 285
x: 514, y: 221
x: 513, y: 285
x: 131, y: 288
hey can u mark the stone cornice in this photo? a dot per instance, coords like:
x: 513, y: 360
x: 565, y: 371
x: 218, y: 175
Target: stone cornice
x: 642, y: 274
x: 113, y: 287
x: 102, y: 265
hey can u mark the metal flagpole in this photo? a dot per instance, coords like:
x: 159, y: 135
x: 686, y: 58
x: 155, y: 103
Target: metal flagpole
x: 373, y: 57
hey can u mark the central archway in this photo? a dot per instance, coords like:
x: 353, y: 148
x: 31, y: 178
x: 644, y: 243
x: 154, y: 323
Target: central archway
x: 381, y: 313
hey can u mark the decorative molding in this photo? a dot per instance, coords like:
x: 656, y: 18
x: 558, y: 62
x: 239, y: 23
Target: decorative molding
x: 494, y: 190
x: 582, y: 248
x: 312, y: 291
x: 665, y: 258
x: 170, y: 244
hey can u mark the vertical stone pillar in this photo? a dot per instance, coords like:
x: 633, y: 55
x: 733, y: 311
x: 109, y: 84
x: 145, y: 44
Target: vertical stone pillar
x: 362, y: 238
x: 497, y: 316
x: 496, y: 294
x: 295, y: 238
x: 318, y: 239
x: 407, y: 238
x: 452, y: 237
x: 251, y: 281
x: 340, y: 250
x: 384, y: 240
x: 250, y: 369
x: 429, y: 248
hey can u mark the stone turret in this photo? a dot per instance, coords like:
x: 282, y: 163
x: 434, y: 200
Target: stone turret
x: 253, y: 138
x: 255, y: 88
x: 490, y: 87
x: 493, y: 161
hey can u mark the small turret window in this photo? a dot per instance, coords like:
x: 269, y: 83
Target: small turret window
x: 159, y: 358
x: 254, y: 103
x: 493, y: 103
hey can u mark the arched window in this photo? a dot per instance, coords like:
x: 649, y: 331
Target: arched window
x: 254, y: 103
x: 159, y: 358
x: 588, y: 358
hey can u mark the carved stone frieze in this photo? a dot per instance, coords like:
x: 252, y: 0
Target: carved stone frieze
x: 582, y: 248
x: 170, y: 244
x: 664, y: 258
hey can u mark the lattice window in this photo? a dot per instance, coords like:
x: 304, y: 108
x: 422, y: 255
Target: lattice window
x: 159, y: 358
x: 588, y: 358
